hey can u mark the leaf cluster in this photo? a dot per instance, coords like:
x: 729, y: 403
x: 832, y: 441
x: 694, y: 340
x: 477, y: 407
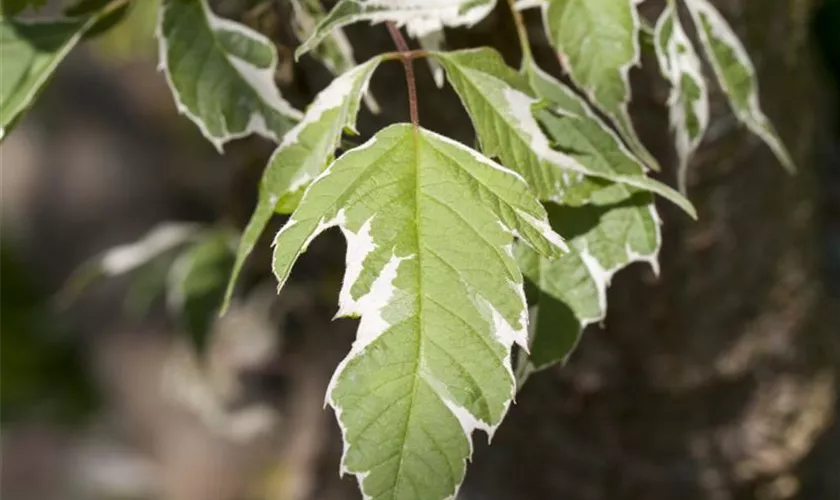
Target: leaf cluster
x: 454, y: 254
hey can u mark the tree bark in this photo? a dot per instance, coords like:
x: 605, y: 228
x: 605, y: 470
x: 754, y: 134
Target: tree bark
x: 718, y: 379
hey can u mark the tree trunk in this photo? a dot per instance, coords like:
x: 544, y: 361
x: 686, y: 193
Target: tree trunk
x: 717, y: 379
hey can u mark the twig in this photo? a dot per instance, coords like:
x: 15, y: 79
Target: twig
x: 407, y: 57
x: 521, y: 32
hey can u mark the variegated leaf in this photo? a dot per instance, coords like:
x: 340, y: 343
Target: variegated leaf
x: 304, y: 153
x: 429, y: 225
x: 736, y: 74
x: 502, y: 109
x: 689, y: 99
x: 420, y: 17
x: 612, y: 226
x: 221, y: 73
x: 335, y: 52
x: 598, y: 42
x: 617, y: 227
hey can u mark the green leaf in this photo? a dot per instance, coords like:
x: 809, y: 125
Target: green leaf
x: 15, y: 7
x: 134, y: 37
x: 196, y: 285
x: 598, y: 42
x: 335, y: 52
x: 123, y: 259
x: 502, y: 112
x: 110, y: 13
x: 45, y: 369
x: 30, y: 51
x: 304, y: 153
x: 429, y: 225
x: 736, y: 74
x: 689, y: 99
x: 420, y: 17
x: 221, y: 74
x: 618, y: 227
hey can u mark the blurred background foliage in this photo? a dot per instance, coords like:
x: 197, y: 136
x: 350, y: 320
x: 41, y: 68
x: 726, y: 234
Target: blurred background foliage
x: 58, y: 371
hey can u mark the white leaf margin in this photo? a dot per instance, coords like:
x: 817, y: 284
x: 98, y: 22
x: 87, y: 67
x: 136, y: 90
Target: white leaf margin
x: 370, y: 306
x: 419, y: 17
x: 753, y: 117
x: 681, y: 59
x: 623, y: 120
x: 260, y: 79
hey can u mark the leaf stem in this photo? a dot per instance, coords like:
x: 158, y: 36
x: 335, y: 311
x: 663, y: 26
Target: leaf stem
x: 521, y: 32
x: 407, y: 57
x: 411, y: 54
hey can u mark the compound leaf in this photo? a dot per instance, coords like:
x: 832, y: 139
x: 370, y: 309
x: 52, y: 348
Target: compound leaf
x: 689, y: 99
x: 304, y: 152
x: 420, y: 17
x: 221, y: 73
x: 429, y: 225
x: 736, y: 74
x: 598, y: 42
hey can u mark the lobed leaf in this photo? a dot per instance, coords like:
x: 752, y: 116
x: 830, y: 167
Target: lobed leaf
x: 420, y: 17
x: 736, y: 74
x: 429, y: 225
x: 689, y: 99
x: 303, y: 154
x: 598, y: 42
x: 505, y: 114
x: 221, y: 73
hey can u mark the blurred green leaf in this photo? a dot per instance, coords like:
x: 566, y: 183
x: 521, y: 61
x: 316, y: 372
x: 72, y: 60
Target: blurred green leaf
x: 43, y: 372
x: 133, y: 37
x: 31, y: 51
x: 197, y: 282
x: 14, y: 7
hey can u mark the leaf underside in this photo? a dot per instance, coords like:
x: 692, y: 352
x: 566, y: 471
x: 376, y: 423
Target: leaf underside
x: 431, y: 273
